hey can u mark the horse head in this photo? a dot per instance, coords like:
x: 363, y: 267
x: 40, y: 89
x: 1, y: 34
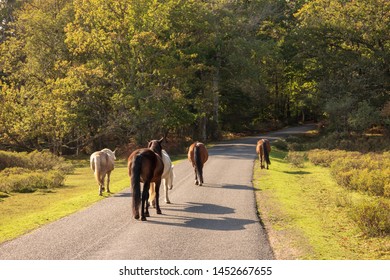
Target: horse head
x: 155, y: 146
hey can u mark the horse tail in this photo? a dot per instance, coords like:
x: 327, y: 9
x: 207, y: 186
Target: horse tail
x: 97, y: 168
x: 136, y: 180
x: 266, y: 153
x: 197, y: 159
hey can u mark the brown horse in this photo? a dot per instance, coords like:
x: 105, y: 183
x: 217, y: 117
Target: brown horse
x: 145, y: 166
x: 198, y: 155
x: 263, y: 148
x: 102, y: 163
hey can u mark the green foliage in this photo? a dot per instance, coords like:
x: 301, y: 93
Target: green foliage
x: 326, y: 158
x: 373, y: 217
x: 280, y: 144
x: 79, y: 75
x: 25, y: 180
x: 297, y: 159
x: 351, y: 61
x: 22, y: 172
x: 368, y: 173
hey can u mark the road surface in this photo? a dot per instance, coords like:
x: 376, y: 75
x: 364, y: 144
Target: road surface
x: 217, y: 221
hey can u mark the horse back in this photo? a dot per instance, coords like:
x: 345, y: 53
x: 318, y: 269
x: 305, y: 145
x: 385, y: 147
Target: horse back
x: 259, y: 146
x: 167, y: 163
x: 152, y: 166
x: 102, y: 160
x: 204, y: 155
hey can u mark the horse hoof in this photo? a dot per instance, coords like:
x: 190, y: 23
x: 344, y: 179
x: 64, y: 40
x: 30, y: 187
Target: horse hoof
x: 200, y: 184
x: 167, y: 202
x: 143, y: 219
x: 147, y: 215
x: 196, y: 183
x: 159, y: 212
x: 136, y: 217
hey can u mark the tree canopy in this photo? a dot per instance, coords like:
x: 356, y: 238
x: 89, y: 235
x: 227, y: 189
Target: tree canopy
x: 79, y: 75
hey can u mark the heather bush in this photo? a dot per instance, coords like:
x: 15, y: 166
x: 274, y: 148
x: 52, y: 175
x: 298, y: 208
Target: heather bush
x: 372, y: 217
x: 368, y: 173
x: 23, y: 172
x: 34, y: 161
x: 297, y: 159
x: 325, y: 157
x: 280, y: 144
x: 28, y: 180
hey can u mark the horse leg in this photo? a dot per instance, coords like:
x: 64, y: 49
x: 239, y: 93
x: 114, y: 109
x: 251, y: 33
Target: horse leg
x: 201, y: 176
x: 144, y: 204
x: 108, y: 181
x: 100, y: 189
x: 261, y: 159
x: 101, y: 185
x: 166, y: 190
x: 158, y: 183
x: 196, y: 177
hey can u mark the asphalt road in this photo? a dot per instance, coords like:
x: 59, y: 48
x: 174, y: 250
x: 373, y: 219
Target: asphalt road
x: 215, y: 221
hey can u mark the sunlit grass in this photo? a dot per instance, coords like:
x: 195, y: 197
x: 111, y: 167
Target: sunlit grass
x: 22, y: 212
x: 307, y: 214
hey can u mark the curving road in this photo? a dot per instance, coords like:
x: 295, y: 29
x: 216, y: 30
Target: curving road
x: 215, y: 221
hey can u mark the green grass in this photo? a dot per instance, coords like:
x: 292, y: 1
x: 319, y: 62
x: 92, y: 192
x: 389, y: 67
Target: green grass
x: 23, y: 212
x: 307, y: 214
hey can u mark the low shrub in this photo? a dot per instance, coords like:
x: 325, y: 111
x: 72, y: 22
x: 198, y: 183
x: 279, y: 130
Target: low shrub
x: 24, y: 180
x: 280, y: 144
x: 372, y: 217
x: 297, y: 159
x: 26, y: 172
x: 34, y: 161
x: 368, y: 173
x: 326, y: 157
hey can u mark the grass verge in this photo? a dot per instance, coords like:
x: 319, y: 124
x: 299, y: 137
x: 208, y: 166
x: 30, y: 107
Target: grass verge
x: 23, y: 212
x: 307, y: 214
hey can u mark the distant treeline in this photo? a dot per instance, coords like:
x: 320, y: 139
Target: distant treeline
x: 76, y: 76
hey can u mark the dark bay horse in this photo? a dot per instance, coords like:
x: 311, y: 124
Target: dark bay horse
x: 263, y: 148
x: 102, y: 164
x: 198, y: 155
x: 145, y: 166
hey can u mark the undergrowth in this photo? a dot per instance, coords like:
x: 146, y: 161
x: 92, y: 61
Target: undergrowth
x: 27, y: 172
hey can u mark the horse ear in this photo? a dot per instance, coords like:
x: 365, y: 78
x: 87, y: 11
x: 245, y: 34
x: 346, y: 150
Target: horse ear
x: 161, y: 140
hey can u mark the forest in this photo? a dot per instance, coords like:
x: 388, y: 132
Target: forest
x: 78, y: 75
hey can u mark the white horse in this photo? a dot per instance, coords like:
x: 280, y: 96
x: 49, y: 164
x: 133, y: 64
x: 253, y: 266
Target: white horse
x: 102, y: 163
x: 167, y: 178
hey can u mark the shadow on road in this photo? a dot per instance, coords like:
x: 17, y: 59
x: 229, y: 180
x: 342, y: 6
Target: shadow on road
x: 217, y: 223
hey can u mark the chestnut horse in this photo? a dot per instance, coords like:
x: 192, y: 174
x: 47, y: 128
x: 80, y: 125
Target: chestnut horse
x: 145, y: 166
x: 198, y: 155
x: 263, y: 148
x: 102, y: 163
